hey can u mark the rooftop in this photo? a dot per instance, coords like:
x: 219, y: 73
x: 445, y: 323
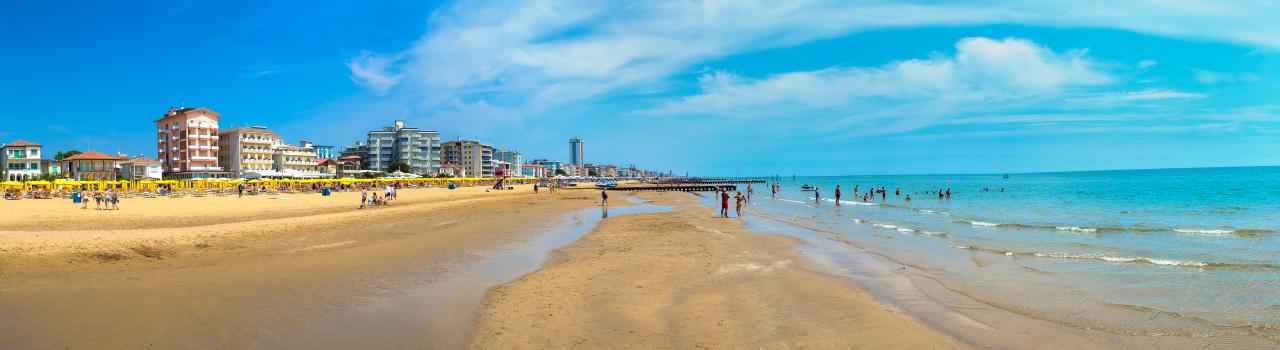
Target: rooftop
x: 21, y: 143
x: 93, y: 155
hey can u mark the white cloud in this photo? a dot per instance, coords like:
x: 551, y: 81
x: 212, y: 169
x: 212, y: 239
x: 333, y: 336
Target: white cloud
x: 1211, y: 77
x: 537, y: 58
x: 1110, y: 99
x: 595, y: 47
x: 983, y: 72
x: 373, y: 72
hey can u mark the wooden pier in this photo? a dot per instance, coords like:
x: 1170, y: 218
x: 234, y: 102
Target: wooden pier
x: 680, y: 188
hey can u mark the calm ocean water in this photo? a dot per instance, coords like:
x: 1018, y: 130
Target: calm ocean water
x: 1176, y: 252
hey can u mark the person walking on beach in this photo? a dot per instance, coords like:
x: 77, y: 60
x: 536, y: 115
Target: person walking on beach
x: 84, y: 199
x: 535, y: 187
x: 97, y: 200
x: 724, y: 203
x: 240, y: 190
x: 837, y: 194
x: 364, y: 197
x: 739, y: 199
x: 604, y: 197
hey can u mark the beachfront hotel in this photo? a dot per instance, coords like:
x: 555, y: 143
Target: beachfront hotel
x: 475, y: 158
x: 91, y: 166
x: 187, y: 143
x: 248, y: 150
x: 21, y: 160
x: 575, y: 152
x: 297, y: 162
x: 256, y: 152
x: 418, y: 148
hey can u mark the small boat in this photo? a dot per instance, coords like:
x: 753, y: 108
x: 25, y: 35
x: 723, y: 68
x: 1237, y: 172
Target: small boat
x: 1006, y: 176
x: 806, y: 187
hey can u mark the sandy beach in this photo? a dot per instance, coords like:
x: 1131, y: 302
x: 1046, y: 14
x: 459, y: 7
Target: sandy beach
x: 252, y: 272
x: 686, y: 279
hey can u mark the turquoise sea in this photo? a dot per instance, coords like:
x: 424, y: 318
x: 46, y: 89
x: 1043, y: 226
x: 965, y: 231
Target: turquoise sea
x: 1172, y: 252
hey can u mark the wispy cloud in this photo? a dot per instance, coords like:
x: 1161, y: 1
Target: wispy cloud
x: 1112, y: 99
x: 1211, y: 77
x: 373, y: 71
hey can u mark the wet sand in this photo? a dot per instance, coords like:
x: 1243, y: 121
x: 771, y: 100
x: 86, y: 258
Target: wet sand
x: 686, y: 279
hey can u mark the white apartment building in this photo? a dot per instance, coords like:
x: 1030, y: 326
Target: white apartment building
x: 21, y: 161
x: 248, y: 150
x: 255, y: 151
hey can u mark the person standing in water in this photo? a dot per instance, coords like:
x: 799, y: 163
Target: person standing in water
x: 817, y: 195
x: 724, y: 203
x: 604, y: 197
x: 837, y: 194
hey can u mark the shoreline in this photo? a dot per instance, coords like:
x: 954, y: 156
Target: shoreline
x: 981, y: 323
x: 688, y: 279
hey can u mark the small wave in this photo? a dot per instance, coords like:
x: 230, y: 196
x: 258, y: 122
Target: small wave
x: 933, y: 233
x: 1076, y: 229
x: 1120, y: 259
x: 931, y: 211
x: 982, y: 223
x: 1204, y: 231
x: 884, y: 225
x: 791, y: 201
x: 906, y: 230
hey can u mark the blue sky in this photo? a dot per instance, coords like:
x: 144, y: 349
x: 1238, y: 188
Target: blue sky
x: 722, y: 88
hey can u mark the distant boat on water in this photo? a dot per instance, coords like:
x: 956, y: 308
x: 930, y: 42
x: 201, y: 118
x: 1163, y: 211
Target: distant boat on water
x: 806, y: 187
x: 1006, y: 176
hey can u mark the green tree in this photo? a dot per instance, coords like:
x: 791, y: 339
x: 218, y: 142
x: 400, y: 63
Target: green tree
x: 400, y: 166
x: 61, y: 155
x: 561, y: 172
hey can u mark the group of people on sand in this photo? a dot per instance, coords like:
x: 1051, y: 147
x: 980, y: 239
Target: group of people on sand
x: 738, y: 198
x: 388, y: 195
x: 102, y: 200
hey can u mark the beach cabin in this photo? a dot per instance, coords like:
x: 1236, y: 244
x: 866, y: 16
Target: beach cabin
x: 91, y: 166
x: 349, y: 165
x: 21, y: 161
x: 327, y: 167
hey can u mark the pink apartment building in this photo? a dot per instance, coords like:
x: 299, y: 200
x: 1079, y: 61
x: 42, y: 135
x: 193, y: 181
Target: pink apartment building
x: 187, y: 144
